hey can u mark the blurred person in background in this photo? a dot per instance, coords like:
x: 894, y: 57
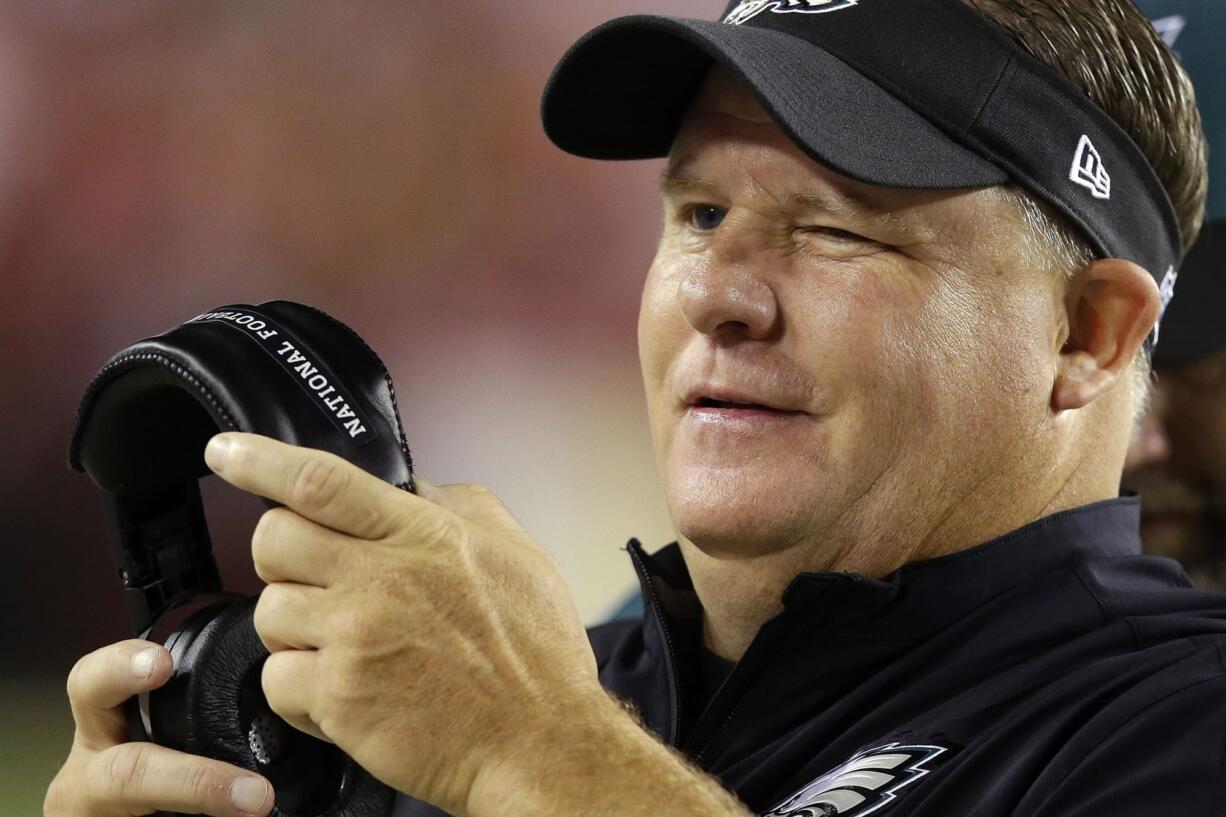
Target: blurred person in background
x: 891, y: 414
x: 1177, y: 460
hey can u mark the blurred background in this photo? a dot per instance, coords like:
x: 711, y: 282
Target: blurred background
x: 380, y: 159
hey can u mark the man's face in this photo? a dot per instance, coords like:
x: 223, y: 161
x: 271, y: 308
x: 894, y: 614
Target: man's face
x: 1177, y: 463
x: 903, y: 350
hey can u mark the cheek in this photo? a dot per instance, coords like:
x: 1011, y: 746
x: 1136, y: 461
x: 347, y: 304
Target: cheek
x: 863, y: 328
x: 837, y: 315
x: 846, y: 331
x: 652, y: 315
x: 980, y: 362
x: 1015, y: 347
x: 661, y: 334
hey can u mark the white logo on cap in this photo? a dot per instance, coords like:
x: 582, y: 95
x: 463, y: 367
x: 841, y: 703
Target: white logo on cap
x: 748, y: 9
x: 1169, y: 28
x: 1166, y: 291
x: 1088, y: 170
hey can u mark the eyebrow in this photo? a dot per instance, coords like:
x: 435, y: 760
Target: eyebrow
x: 833, y: 202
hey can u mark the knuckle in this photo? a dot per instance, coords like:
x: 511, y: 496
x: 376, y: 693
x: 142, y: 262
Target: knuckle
x: 276, y: 703
x: 344, y: 682
x: 370, y: 521
x: 473, y: 496
x: 267, y: 530
x: 273, y: 679
x: 318, y: 482
x: 442, y: 528
x: 76, y: 679
x: 96, y: 670
x: 120, y: 771
x: 268, y: 681
x: 356, y: 625
x: 202, y: 783
x: 60, y: 794
x: 477, y: 490
x: 267, y: 610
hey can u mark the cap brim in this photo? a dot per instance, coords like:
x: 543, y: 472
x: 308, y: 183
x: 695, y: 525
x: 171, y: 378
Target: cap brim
x: 621, y: 93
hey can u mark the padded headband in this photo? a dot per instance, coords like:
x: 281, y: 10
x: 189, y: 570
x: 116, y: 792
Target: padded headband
x: 280, y: 369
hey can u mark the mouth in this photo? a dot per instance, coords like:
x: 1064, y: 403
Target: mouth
x: 731, y: 406
x: 729, y: 400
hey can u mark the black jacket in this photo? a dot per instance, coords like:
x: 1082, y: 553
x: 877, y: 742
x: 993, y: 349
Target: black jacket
x: 1052, y: 671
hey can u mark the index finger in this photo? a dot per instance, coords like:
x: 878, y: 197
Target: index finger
x: 318, y: 485
x: 141, y: 778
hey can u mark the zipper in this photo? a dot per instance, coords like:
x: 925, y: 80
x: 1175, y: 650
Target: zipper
x: 774, y: 635
x: 670, y: 659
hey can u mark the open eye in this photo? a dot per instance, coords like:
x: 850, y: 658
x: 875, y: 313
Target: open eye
x: 706, y: 217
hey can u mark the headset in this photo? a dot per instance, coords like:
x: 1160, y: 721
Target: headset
x: 280, y: 369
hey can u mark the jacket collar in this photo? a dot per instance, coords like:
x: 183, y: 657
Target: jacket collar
x: 922, y: 596
x: 835, y: 628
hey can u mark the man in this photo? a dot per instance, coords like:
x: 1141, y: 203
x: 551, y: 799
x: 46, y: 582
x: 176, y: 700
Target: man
x: 890, y: 391
x: 1177, y: 462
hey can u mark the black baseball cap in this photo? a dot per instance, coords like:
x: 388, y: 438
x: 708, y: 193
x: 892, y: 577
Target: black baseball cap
x: 898, y: 93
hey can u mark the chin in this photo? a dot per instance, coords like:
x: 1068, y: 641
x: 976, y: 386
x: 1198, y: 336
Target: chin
x: 727, y: 517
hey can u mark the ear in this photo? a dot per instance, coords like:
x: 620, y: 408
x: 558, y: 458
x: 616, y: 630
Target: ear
x: 1112, y: 307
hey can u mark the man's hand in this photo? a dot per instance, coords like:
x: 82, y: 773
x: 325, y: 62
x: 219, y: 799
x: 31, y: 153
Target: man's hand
x: 428, y: 636
x: 105, y: 776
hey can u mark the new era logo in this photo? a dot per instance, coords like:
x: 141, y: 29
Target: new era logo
x: 1088, y: 170
x: 1167, y: 288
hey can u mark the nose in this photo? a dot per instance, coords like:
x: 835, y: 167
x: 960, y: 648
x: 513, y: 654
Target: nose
x: 1150, y: 444
x: 722, y: 297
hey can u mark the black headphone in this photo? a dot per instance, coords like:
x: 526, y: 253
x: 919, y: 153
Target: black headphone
x: 281, y: 369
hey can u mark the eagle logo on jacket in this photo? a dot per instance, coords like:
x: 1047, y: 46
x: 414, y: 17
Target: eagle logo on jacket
x: 867, y: 782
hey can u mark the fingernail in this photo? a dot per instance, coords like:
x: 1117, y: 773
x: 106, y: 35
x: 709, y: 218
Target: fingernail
x: 247, y: 794
x: 143, y: 662
x: 215, y: 452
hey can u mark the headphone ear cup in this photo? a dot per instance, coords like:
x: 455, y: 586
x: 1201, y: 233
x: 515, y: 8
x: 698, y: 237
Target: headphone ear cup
x: 214, y: 706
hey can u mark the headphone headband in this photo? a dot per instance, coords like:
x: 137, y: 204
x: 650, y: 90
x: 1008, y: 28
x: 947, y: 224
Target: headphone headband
x: 280, y: 369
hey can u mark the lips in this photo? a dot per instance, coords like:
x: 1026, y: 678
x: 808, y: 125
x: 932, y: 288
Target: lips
x: 718, y: 397
x: 707, y: 402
